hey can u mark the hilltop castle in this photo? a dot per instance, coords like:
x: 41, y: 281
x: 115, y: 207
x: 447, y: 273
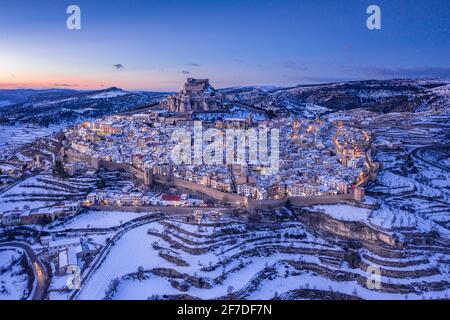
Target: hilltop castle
x: 196, y: 95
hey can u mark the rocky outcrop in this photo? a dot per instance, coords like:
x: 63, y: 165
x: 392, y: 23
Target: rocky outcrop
x: 352, y: 230
x: 175, y: 260
x: 196, y: 95
x: 314, y: 294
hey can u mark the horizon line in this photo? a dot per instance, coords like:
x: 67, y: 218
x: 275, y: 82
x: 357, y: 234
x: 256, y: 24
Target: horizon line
x: 276, y: 86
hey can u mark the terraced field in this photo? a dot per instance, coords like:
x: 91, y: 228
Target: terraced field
x: 413, y: 189
x: 171, y: 259
x: 44, y: 191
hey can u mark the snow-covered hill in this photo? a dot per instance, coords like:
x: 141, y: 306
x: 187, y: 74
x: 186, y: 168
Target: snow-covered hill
x: 54, y: 107
x: 12, y: 97
x: 381, y: 96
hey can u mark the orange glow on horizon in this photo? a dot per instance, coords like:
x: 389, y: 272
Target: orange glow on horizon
x: 53, y: 85
x: 126, y: 82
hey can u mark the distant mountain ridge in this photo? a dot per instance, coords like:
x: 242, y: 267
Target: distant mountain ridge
x: 54, y: 106
x: 381, y: 96
x: 16, y: 96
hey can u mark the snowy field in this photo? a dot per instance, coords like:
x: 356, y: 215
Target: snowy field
x: 43, y: 191
x: 344, y: 212
x: 250, y: 264
x: 15, y: 136
x: 99, y: 219
x: 13, y: 279
x: 109, y: 94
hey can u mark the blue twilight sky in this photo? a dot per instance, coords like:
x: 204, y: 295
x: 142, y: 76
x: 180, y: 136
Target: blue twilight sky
x: 234, y: 42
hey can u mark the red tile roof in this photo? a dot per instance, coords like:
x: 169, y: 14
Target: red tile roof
x: 170, y: 197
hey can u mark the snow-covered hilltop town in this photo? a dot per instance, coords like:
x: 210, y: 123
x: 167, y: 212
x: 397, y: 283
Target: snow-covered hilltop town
x: 323, y: 162
x: 334, y: 191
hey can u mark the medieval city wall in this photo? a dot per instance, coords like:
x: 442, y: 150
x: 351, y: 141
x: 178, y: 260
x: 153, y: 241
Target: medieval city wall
x: 77, y: 157
x: 266, y: 204
x: 316, y: 200
x: 299, y: 201
x: 109, y: 165
x: 230, y: 198
x: 154, y: 209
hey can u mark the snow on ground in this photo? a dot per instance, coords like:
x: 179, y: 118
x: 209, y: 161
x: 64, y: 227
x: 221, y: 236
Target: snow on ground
x: 83, y: 110
x: 58, y: 295
x: 14, y: 136
x: 7, y: 167
x: 131, y: 251
x: 5, y: 103
x: 387, y: 218
x: 33, y: 185
x: 109, y: 94
x: 8, y: 206
x: 100, y: 219
x: 136, y: 248
x: 34, y: 193
x: 344, y: 212
x: 13, y: 279
x: 52, y: 102
x: 58, y: 288
x: 393, y: 183
x: 306, y: 280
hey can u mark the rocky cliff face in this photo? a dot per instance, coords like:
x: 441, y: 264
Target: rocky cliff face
x: 196, y: 95
x: 351, y: 230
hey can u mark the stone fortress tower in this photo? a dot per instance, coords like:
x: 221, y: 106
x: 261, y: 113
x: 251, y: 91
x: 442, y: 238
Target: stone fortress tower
x: 196, y: 95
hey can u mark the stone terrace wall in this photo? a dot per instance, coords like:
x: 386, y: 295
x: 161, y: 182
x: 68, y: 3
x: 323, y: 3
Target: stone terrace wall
x: 77, y: 157
x: 314, y: 200
x: 230, y: 198
x: 299, y: 201
x: 166, y: 210
x: 266, y: 204
x: 122, y: 166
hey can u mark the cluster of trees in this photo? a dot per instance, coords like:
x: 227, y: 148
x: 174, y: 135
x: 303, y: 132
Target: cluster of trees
x: 112, y: 289
x: 58, y: 169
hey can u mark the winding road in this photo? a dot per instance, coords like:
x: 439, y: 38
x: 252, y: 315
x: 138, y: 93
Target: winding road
x: 39, y: 269
x: 102, y: 254
x: 417, y: 153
